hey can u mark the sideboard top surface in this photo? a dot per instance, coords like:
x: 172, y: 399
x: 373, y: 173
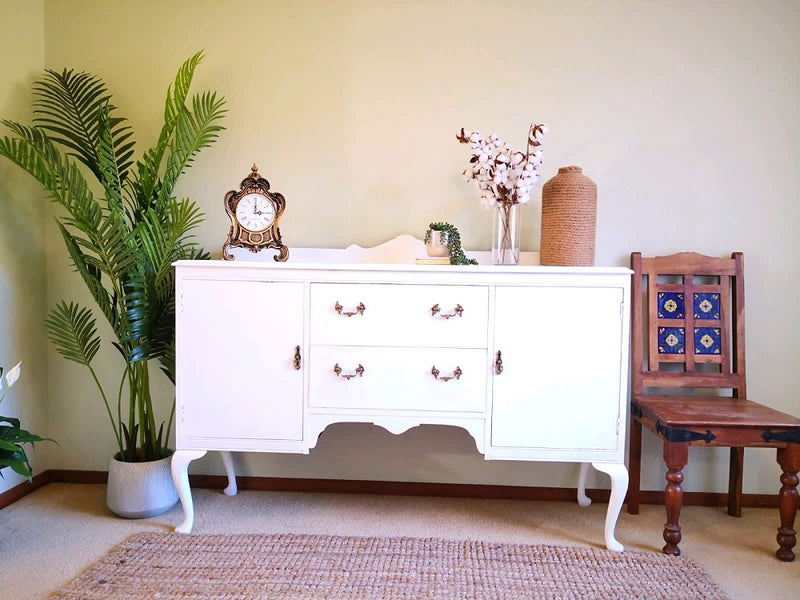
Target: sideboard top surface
x: 396, y: 256
x: 400, y: 268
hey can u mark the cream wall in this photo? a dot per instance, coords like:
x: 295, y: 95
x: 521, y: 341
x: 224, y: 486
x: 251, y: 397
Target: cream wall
x: 685, y: 113
x: 22, y: 249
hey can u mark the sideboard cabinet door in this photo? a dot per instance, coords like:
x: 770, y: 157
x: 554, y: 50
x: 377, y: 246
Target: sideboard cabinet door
x: 236, y: 349
x: 560, y: 382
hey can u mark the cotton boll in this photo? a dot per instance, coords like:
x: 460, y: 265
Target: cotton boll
x: 503, y: 174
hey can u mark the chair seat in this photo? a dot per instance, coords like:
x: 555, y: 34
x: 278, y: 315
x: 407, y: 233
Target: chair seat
x: 713, y: 411
x: 716, y: 421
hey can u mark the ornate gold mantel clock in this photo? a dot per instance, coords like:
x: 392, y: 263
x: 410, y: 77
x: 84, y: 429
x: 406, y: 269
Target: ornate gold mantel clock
x: 254, y: 212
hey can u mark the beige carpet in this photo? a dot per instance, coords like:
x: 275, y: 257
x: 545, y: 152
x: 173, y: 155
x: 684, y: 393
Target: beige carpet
x: 54, y: 534
x: 317, y: 567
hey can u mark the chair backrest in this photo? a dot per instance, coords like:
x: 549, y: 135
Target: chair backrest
x: 688, y: 322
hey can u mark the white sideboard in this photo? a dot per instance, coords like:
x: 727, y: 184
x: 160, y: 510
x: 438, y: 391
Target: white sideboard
x: 531, y: 361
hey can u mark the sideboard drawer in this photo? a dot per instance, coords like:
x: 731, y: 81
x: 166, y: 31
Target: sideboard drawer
x: 398, y: 378
x: 399, y: 315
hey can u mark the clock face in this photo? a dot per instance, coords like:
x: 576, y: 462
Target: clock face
x: 255, y: 212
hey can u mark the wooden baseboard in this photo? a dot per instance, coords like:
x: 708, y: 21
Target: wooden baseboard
x: 23, y: 489
x: 68, y: 476
x: 390, y: 488
x: 460, y: 490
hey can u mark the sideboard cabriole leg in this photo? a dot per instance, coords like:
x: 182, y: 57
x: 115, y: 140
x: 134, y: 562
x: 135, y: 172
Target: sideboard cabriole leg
x: 227, y: 460
x: 583, y: 499
x: 619, y: 485
x: 180, y: 476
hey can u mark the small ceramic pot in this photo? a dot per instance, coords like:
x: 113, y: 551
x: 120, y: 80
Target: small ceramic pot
x: 436, y: 243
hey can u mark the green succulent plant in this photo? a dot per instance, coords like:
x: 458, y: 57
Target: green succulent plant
x: 123, y: 241
x: 457, y: 256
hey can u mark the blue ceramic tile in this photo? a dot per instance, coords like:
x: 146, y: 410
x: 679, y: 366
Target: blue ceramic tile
x: 706, y: 306
x: 707, y: 340
x: 671, y: 340
x: 670, y: 305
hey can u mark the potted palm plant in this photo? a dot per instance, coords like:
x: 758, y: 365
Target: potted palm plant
x: 122, y: 242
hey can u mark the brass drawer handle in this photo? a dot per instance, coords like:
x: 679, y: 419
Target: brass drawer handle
x: 458, y: 311
x: 338, y: 370
x: 498, y: 364
x: 296, y: 361
x: 456, y: 374
x: 358, y: 311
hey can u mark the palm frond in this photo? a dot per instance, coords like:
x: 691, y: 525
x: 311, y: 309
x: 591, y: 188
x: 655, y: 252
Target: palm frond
x: 166, y: 237
x: 179, y: 90
x: 163, y: 237
x: 73, y: 331
x: 90, y: 272
x: 108, y: 166
x: 66, y: 106
x: 139, y: 308
x: 148, y: 186
x: 195, y: 130
x: 35, y: 153
x: 167, y: 361
x: 69, y: 107
x: 150, y: 315
x: 119, y: 245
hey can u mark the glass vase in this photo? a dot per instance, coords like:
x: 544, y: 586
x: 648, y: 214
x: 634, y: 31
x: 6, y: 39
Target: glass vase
x: 505, y: 234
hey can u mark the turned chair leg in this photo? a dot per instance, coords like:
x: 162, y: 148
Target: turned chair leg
x: 675, y: 456
x: 789, y: 460
x: 634, y: 467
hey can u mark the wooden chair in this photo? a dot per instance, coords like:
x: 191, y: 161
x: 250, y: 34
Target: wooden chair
x: 688, y: 349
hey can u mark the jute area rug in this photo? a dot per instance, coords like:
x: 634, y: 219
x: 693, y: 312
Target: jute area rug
x: 317, y: 567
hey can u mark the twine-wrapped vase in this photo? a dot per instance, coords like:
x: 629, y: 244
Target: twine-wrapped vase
x: 569, y: 218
